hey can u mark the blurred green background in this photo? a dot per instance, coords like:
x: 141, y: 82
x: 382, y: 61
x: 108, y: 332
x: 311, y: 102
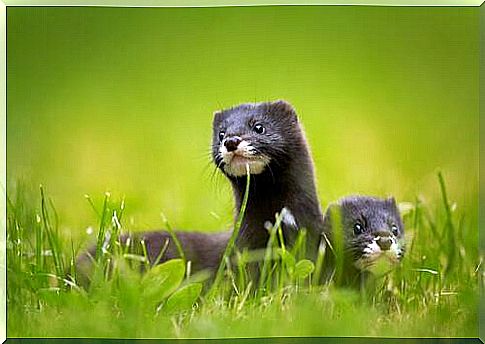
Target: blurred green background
x: 121, y: 100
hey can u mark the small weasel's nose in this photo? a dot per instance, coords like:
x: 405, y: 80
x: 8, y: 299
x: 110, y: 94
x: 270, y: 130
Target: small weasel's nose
x: 231, y: 143
x: 384, y: 240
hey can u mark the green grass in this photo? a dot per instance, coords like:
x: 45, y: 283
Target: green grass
x: 121, y: 100
x: 434, y: 292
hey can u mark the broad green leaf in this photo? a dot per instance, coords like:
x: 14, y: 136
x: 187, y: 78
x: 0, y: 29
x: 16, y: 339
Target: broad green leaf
x: 162, y: 280
x: 183, y: 299
x: 303, y: 268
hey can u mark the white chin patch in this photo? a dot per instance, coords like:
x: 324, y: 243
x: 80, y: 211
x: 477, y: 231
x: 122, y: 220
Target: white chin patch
x: 376, y: 260
x: 235, y: 162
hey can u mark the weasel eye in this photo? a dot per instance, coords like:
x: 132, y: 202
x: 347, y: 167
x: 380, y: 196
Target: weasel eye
x: 358, y: 229
x: 395, y: 230
x: 221, y: 135
x: 259, y: 129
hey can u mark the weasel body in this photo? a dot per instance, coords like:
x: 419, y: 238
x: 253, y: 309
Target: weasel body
x: 268, y: 138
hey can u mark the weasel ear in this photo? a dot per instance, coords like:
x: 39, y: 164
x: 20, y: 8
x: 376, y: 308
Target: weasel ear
x: 391, y: 201
x: 283, y: 107
x: 217, y: 116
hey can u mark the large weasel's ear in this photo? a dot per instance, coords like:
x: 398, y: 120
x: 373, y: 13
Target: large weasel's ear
x: 217, y: 117
x: 282, y: 107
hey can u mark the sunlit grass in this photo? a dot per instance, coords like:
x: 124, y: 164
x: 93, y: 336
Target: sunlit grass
x: 434, y: 292
x: 121, y: 100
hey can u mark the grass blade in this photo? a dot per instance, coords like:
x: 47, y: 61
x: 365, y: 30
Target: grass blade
x: 52, y: 239
x: 174, y: 238
x: 449, y: 227
x: 232, y: 239
x: 102, y: 227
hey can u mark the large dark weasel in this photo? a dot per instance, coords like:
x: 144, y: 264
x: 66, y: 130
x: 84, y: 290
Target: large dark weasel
x: 268, y: 139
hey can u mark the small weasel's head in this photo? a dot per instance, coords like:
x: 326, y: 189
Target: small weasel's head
x: 372, y: 229
x: 255, y: 135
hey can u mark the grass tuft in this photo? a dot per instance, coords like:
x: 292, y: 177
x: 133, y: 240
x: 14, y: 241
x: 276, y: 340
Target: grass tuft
x: 433, y: 292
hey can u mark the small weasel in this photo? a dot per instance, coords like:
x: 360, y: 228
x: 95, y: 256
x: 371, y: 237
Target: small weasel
x: 372, y: 231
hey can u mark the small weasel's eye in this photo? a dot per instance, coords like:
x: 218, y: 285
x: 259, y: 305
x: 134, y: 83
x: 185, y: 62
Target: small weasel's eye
x: 358, y: 229
x: 395, y: 230
x: 221, y: 135
x: 259, y: 129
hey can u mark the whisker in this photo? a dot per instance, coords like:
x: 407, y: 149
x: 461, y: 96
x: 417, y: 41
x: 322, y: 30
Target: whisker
x: 207, y: 166
x: 218, y: 161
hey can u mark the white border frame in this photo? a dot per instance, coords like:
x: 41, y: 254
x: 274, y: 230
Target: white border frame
x: 3, y: 172
x: 135, y: 3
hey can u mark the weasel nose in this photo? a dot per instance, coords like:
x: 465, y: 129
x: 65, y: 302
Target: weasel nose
x: 384, y: 240
x: 384, y: 243
x: 231, y: 143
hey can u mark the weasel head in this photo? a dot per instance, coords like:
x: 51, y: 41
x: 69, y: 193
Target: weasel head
x: 373, y: 231
x: 253, y: 136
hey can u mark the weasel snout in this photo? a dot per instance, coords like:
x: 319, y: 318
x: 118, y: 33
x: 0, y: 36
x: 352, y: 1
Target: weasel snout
x: 232, y: 143
x: 384, y: 239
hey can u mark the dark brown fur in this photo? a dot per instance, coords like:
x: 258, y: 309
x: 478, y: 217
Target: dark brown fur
x: 288, y: 181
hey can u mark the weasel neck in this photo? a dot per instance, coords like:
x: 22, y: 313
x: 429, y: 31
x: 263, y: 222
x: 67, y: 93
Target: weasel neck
x: 291, y: 187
